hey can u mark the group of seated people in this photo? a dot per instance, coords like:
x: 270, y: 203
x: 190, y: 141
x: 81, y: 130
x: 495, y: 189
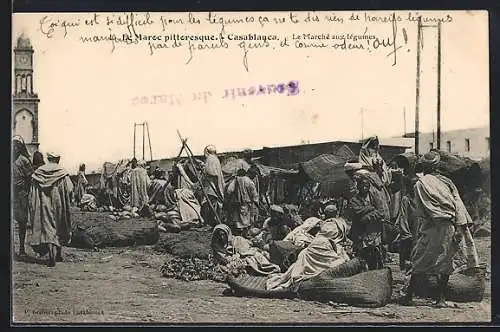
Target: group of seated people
x: 426, y: 214
x: 307, y: 248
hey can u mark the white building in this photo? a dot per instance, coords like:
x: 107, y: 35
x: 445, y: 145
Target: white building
x: 471, y: 142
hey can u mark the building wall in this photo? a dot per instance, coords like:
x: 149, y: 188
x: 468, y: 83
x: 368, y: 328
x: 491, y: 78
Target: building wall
x: 94, y: 179
x: 32, y: 148
x: 24, y: 99
x: 25, y: 119
x: 289, y: 157
x: 23, y: 125
x: 455, y: 142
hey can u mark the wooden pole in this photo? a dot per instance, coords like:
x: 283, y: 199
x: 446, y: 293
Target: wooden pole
x: 438, y: 141
x: 149, y: 143
x: 182, y: 149
x: 417, y: 92
x: 190, y: 157
x: 362, y: 124
x: 143, y: 138
x: 404, y: 121
x: 135, y: 126
x: 178, y: 155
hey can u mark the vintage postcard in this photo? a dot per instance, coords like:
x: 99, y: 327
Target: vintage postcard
x: 251, y: 167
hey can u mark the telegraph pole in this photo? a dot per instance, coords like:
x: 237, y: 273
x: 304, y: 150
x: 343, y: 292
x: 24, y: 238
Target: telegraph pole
x: 417, y: 92
x: 143, y: 138
x: 145, y: 131
x: 438, y: 140
x: 362, y: 111
x: 149, y: 143
x: 417, y: 105
x: 135, y: 125
x: 404, y: 121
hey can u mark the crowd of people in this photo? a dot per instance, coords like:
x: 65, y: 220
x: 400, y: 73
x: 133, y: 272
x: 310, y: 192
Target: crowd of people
x: 420, y: 210
x: 42, y: 194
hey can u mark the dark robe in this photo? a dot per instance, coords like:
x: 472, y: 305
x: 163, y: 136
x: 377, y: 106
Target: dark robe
x: 49, y: 207
x: 21, y: 178
x: 81, y: 184
x: 366, y: 226
x: 243, y: 197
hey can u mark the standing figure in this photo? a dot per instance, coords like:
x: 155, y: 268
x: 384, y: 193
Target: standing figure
x: 81, y: 184
x: 402, y: 212
x: 213, y: 184
x: 442, y: 221
x: 366, y: 229
x: 37, y: 159
x: 242, y: 196
x: 21, y: 178
x: 49, y: 209
x: 157, y: 187
x: 139, y: 184
x: 370, y: 158
x: 254, y: 175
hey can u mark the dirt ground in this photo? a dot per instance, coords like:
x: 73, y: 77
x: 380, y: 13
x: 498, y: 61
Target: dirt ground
x: 117, y: 285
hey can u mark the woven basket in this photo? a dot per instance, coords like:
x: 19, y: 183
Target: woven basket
x: 346, y: 269
x: 370, y: 289
x: 255, y: 286
x: 124, y: 232
x: 465, y: 286
x: 186, y: 244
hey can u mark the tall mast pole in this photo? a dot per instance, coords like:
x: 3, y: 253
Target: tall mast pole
x: 135, y: 126
x: 143, y: 139
x: 149, y: 142
x: 417, y: 92
x: 438, y: 140
x: 362, y: 123
x: 404, y: 121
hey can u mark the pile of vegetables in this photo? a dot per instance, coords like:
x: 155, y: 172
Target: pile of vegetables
x: 192, y: 269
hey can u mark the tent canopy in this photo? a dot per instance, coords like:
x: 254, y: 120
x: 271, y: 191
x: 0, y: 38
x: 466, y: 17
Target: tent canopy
x: 326, y: 167
x: 328, y: 170
x: 231, y: 165
x: 109, y: 169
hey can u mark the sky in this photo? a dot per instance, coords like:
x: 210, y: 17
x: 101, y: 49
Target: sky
x: 89, y: 94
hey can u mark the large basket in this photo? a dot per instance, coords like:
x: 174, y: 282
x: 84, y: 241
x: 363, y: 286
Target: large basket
x: 186, y: 244
x: 346, y: 269
x: 255, y: 286
x: 465, y: 286
x: 111, y: 233
x: 370, y: 289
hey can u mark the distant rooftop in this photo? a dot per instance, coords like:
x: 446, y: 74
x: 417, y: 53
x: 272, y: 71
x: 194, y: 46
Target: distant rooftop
x: 412, y: 134
x: 329, y: 142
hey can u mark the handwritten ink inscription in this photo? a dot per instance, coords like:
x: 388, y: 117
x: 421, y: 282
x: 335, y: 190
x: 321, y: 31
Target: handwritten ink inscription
x: 343, y: 32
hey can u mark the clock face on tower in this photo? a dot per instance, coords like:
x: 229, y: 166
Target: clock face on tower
x: 23, y: 60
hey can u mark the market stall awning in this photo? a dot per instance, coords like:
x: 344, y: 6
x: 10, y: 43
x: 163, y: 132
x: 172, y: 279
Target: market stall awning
x: 328, y: 171
x: 326, y: 167
x: 232, y: 165
x: 110, y: 169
